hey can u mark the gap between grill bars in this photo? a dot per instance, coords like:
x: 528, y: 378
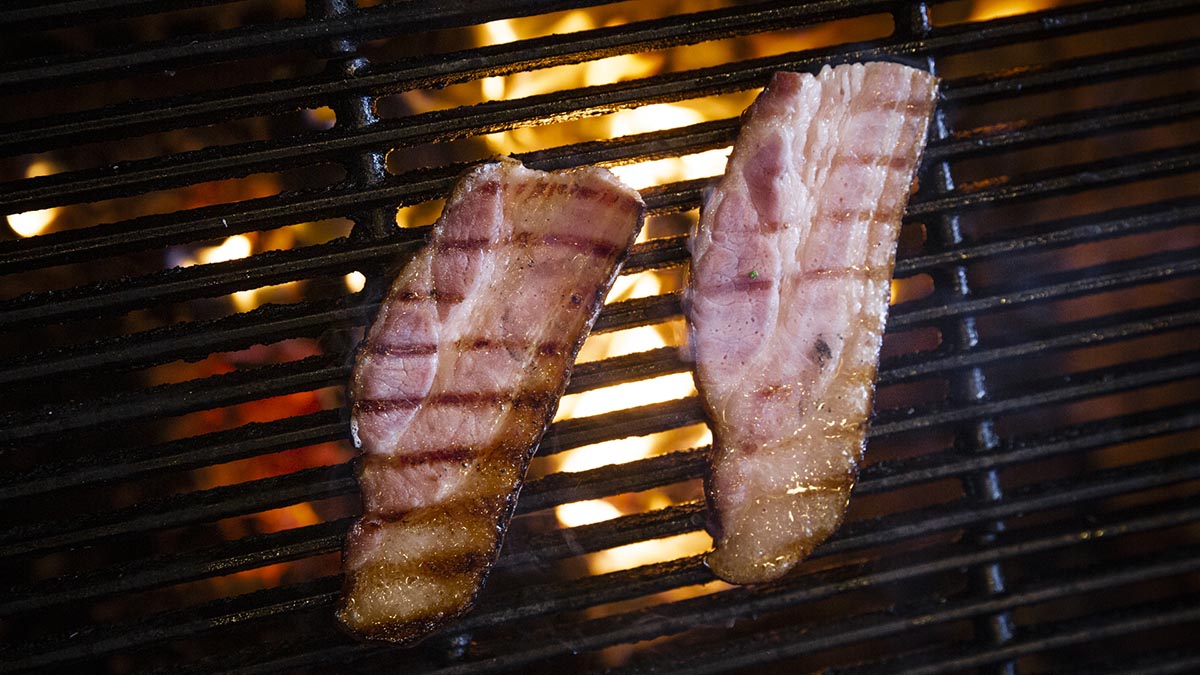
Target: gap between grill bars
x: 176, y: 473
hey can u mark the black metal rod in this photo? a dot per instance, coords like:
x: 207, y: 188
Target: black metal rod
x: 224, y: 220
x: 42, y: 134
x: 396, y: 19
x: 770, y: 646
x: 605, y: 481
x: 571, y: 433
x: 341, y: 256
x: 675, y: 617
x: 489, y: 117
x: 304, y: 654
x: 44, y: 14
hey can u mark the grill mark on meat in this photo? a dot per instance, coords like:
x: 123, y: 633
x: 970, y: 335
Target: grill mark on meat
x: 812, y: 200
x: 532, y: 399
x: 425, y: 296
x: 545, y: 348
x: 441, y: 470
x: 467, y: 507
x: 573, y: 190
x: 441, y: 455
x: 877, y: 161
x: 381, y: 406
x: 760, y: 283
x: 870, y: 217
x: 468, y: 244
x: 400, y: 350
x: 746, y: 283
x: 449, y: 565
x: 596, y: 247
x: 463, y: 345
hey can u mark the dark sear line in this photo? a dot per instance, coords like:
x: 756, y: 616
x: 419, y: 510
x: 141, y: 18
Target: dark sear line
x: 575, y: 190
x: 449, y: 454
x: 877, y: 161
x: 471, y: 244
x: 464, y: 345
x: 849, y: 216
x: 843, y: 217
x: 424, y: 296
x: 752, y: 281
x: 548, y: 348
x: 446, y: 565
x: 460, y: 507
x: 467, y: 398
x: 596, y: 247
x: 401, y: 350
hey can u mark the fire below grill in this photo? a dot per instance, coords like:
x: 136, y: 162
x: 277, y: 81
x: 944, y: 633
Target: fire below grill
x: 205, y: 204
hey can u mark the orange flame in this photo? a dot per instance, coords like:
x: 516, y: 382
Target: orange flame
x: 33, y: 223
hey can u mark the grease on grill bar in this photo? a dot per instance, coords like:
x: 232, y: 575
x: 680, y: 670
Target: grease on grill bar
x: 176, y: 474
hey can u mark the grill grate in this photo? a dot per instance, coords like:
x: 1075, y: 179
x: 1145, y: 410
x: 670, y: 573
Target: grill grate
x: 1029, y: 505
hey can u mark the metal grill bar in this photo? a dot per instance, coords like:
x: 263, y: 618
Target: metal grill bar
x: 606, y: 481
x: 297, y: 376
x: 293, y: 620
x: 716, y: 608
x: 1140, y: 619
x: 299, y: 654
x: 213, y: 448
x: 263, y: 325
x: 765, y: 648
x: 272, y: 323
x: 520, y: 56
x: 143, y: 575
x: 249, y: 440
x: 343, y: 255
x: 269, y: 493
x: 283, y: 35
x: 235, y: 161
x: 1163, y: 662
x: 236, y: 218
x: 1157, y: 268
x: 34, y: 14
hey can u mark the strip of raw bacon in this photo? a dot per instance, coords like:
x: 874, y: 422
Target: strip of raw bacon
x: 459, y: 377
x: 791, y: 264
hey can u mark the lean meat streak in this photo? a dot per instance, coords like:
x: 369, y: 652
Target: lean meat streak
x: 791, y: 265
x: 459, y: 376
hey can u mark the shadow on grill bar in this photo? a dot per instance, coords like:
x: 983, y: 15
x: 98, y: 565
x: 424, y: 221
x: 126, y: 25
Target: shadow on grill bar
x: 205, y: 205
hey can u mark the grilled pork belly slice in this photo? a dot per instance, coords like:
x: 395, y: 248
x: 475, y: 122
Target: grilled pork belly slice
x: 459, y: 376
x: 791, y: 264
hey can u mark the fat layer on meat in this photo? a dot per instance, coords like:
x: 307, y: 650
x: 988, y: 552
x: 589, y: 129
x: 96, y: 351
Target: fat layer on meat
x: 789, y: 289
x: 459, y: 376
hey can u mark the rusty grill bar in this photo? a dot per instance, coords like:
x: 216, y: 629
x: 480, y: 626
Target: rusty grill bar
x: 1029, y: 504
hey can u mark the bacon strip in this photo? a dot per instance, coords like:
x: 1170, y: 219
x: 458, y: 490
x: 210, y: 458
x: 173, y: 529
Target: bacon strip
x: 459, y: 376
x: 791, y: 264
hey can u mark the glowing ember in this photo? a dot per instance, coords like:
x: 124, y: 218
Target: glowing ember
x: 233, y: 248
x: 355, y: 281
x: 986, y: 10
x: 33, y: 223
